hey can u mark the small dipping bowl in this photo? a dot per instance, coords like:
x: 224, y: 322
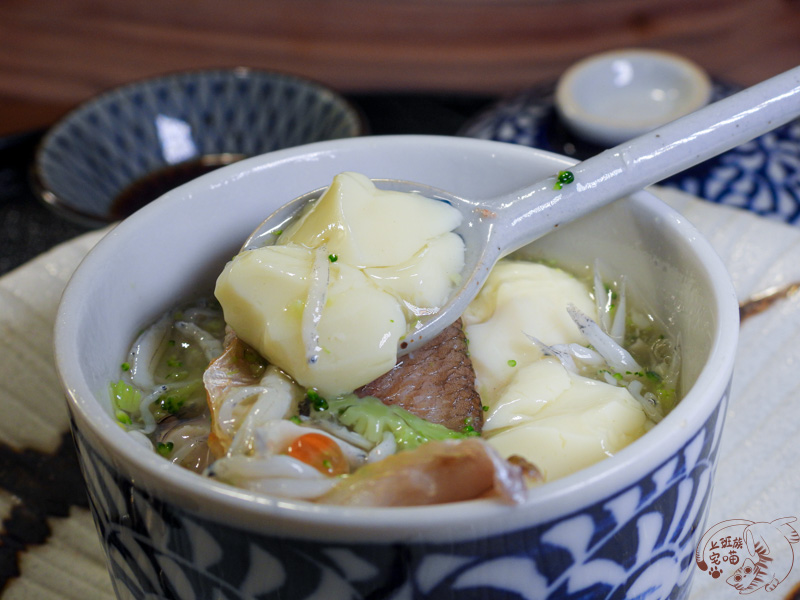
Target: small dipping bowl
x: 120, y: 150
x: 612, y: 97
x: 626, y: 527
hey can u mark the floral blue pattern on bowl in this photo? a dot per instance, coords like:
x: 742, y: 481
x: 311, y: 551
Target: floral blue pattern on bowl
x: 87, y: 159
x: 147, y: 541
x: 762, y: 176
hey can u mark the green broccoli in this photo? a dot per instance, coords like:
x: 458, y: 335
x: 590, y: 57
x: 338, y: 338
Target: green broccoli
x: 371, y: 418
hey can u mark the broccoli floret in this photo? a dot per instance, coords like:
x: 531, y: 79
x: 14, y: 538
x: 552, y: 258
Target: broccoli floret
x: 371, y: 418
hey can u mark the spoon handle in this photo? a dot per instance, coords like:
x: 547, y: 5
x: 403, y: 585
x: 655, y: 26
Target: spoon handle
x: 652, y: 157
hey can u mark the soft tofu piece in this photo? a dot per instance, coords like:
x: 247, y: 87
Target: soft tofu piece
x: 559, y: 421
x: 391, y: 254
x: 562, y: 422
x: 369, y: 227
x: 521, y: 298
x: 264, y: 293
x: 419, y: 280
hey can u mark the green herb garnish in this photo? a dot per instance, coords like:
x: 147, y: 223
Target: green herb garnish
x: 317, y: 402
x: 653, y: 376
x: 165, y: 449
x: 563, y: 178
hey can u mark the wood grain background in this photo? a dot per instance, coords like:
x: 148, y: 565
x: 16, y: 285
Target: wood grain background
x: 56, y: 53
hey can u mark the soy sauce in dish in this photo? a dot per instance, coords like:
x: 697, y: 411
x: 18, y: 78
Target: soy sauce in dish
x: 155, y: 184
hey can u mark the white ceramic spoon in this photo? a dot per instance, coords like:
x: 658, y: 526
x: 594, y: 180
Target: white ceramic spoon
x: 495, y: 227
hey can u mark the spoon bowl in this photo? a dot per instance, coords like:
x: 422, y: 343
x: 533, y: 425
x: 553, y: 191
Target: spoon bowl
x: 494, y: 227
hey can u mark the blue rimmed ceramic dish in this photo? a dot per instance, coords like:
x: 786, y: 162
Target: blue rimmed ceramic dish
x: 118, y: 151
x: 762, y: 176
x: 626, y: 527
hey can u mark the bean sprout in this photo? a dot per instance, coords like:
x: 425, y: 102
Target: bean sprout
x: 144, y: 352
x: 210, y: 345
x: 278, y: 475
x: 317, y: 293
x: 616, y: 356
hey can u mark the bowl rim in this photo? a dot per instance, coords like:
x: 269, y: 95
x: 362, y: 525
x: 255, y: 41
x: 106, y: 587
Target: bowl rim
x: 574, y: 114
x: 300, y: 519
x: 41, y: 186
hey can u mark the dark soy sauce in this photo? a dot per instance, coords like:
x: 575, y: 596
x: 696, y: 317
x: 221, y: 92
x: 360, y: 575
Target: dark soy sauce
x: 155, y: 184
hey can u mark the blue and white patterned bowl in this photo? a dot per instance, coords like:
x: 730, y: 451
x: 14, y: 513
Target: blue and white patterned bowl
x: 762, y: 176
x: 623, y: 528
x: 178, y: 126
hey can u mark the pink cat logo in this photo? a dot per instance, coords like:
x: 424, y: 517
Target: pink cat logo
x: 751, y: 555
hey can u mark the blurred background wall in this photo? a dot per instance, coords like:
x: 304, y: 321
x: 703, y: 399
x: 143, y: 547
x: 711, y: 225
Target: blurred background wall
x: 55, y: 53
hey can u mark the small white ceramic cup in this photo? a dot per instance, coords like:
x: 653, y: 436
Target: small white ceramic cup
x: 623, y: 528
x: 612, y: 97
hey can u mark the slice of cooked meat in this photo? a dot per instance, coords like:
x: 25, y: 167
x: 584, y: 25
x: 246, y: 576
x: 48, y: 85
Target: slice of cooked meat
x: 434, y: 473
x: 436, y: 382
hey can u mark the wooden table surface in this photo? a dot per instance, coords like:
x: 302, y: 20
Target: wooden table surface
x: 56, y: 53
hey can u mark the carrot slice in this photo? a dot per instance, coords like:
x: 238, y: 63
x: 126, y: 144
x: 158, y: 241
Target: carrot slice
x: 321, y: 452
